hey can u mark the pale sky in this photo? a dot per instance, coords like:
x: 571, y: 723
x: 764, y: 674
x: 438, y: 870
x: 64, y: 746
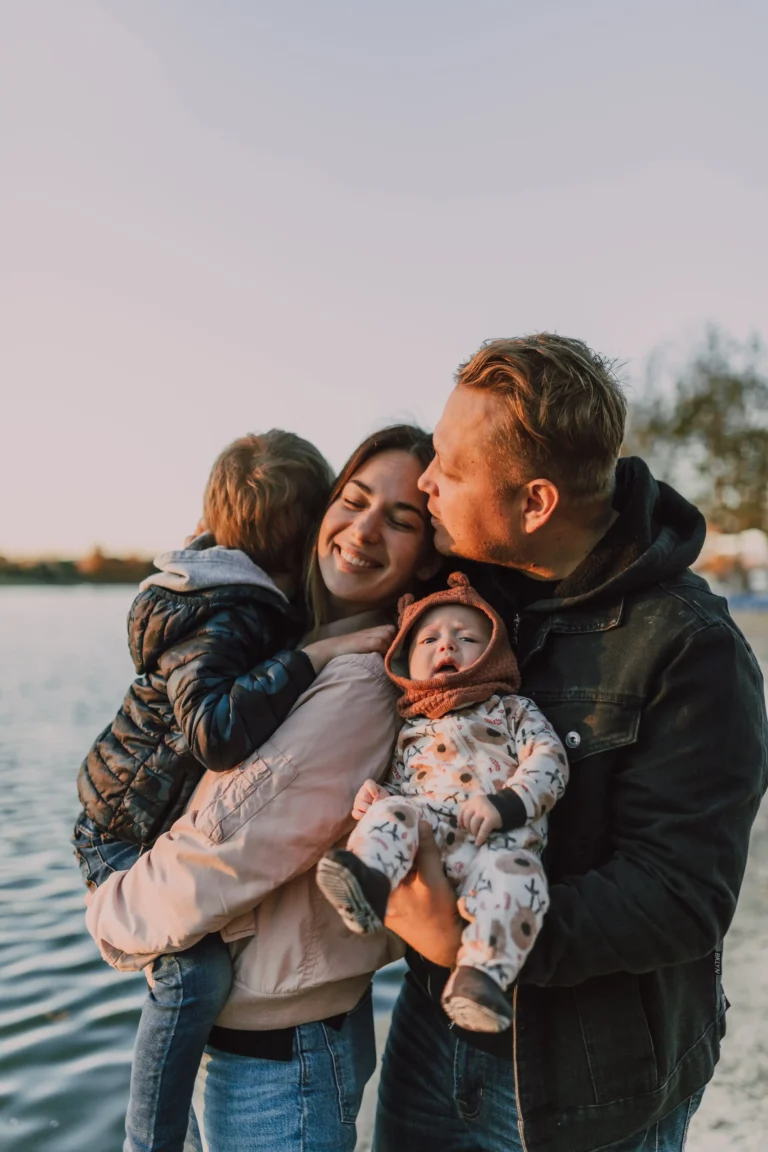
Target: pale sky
x: 227, y: 216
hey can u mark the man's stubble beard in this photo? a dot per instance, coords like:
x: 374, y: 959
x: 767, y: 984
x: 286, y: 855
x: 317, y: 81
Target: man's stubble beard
x: 507, y: 554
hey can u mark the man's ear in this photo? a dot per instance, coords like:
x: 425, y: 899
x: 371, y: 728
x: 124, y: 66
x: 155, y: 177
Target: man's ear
x: 541, y: 497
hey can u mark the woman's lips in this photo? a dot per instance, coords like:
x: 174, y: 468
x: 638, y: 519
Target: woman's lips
x: 352, y: 561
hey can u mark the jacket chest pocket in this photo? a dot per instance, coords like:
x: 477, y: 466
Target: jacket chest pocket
x: 595, y: 734
x: 587, y: 725
x: 233, y: 798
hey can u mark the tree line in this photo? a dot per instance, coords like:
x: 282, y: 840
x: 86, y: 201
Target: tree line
x: 703, y: 427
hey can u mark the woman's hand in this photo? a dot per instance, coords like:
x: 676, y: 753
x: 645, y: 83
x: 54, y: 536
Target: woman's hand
x: 377, y: 639
x: 422, y: 909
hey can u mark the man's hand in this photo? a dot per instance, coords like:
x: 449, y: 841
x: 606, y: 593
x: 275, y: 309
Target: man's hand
x: 367, y: 793
x: 422, y: 908
x: 479, y: 817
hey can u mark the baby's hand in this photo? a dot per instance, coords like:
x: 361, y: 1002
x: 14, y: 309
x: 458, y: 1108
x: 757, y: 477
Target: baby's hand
x: 479, y: 817
x: 366, y: 795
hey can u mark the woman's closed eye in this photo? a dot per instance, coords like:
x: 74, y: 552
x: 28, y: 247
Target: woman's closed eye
x: 362, y: 505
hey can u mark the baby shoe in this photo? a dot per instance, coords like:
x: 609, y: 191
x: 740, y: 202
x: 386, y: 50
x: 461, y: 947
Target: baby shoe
x: 357, y: 892
x: 474, y: 1001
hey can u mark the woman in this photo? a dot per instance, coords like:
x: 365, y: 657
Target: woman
x: 294, y: 1047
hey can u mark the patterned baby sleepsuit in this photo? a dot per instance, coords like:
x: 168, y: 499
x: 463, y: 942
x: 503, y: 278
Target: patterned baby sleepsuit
x: 503, y: 743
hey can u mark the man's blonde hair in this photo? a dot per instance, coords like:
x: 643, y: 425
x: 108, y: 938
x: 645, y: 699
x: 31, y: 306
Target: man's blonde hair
x: 566, y: 410
x: 266, y: 495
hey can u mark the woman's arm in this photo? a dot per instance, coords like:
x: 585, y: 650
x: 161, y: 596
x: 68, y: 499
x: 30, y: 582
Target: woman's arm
x: 422, y: 909
x: 226, y: 696
x: 252, y: 831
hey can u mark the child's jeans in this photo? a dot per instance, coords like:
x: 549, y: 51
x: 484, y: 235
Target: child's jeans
x: 187, y: 993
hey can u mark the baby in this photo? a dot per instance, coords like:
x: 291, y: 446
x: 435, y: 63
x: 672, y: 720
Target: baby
x: 484, y: 768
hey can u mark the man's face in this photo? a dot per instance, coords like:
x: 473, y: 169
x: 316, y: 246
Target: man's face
x: 473, y: 510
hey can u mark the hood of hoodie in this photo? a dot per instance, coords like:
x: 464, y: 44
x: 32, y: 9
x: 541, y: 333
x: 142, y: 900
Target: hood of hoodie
x: 657, y: 535
x: 495, y: 670
x: 205, y: 564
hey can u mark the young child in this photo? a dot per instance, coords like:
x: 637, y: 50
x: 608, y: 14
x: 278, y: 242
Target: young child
x: 212, y: 638
x: 484, y: 768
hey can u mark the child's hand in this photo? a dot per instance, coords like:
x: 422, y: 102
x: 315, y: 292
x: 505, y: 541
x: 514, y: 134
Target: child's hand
x: 368, y: 640
x: 198, y: 532
x: 479, y: 817
x: 368, y: 792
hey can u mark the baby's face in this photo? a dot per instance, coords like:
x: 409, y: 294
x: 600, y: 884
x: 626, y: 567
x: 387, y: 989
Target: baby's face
x: 448, y: 639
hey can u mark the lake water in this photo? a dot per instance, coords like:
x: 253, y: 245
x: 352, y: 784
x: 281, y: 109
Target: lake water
x: 67, y: 1020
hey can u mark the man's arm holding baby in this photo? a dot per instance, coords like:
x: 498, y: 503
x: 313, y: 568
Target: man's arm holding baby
x: 422, y: 908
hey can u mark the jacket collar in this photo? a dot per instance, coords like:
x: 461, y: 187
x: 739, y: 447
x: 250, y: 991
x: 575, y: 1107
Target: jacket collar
x: 347, y: 624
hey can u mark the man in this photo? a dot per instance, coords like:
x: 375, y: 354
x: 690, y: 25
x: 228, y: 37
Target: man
x: 619, y: 1009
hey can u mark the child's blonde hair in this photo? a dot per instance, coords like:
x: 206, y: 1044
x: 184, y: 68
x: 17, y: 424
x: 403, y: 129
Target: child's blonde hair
x: 266, y: 495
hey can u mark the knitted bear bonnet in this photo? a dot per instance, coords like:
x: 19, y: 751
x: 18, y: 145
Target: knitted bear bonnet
x: 495, y: 672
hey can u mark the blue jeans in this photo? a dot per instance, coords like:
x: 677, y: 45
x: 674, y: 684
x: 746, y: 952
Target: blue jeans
x: 187, y: 992
x: 438, y: 1092
x: 306, y: 1104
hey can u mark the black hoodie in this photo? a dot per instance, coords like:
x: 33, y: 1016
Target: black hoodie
x: 619, y: 1009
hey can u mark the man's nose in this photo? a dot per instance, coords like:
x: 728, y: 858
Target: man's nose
x: 425, y: 483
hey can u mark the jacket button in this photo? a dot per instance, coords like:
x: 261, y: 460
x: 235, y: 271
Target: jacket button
x: 573, y: 739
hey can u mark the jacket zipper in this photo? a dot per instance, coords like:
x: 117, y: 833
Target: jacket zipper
x: 515, y: 627
x: 514, y: 1061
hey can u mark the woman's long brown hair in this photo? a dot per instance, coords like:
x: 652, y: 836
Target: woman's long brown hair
x: 396, y: 438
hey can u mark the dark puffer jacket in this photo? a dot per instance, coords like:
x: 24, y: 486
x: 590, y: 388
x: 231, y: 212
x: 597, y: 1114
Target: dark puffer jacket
x: 214, y: 681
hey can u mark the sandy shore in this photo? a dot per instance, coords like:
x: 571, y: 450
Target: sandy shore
x: 734, y: 1113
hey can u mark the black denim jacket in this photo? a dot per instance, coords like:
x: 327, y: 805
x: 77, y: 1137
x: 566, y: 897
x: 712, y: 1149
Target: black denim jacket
x: 619, y: 1010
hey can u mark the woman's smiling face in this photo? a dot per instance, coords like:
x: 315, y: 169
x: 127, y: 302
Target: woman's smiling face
x: 373, y: 538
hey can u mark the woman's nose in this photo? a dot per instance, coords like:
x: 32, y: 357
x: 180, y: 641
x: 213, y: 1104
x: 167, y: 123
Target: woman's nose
x: 366, y: 527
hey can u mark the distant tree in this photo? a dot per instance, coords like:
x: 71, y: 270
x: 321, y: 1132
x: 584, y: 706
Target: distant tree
x: 708, y: 433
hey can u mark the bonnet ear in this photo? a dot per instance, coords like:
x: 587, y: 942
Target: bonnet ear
x: 458, y: 580
x: 403, y: 605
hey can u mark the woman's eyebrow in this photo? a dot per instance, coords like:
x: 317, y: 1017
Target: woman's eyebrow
x: 398, y: 504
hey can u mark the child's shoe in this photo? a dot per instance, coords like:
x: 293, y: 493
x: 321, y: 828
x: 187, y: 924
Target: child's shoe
x: 357, y: 892
x: 474, y: 1001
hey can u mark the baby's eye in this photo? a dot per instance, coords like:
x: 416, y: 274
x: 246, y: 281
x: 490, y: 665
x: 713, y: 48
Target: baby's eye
x: 428, y: 640
x: 469, y: 639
